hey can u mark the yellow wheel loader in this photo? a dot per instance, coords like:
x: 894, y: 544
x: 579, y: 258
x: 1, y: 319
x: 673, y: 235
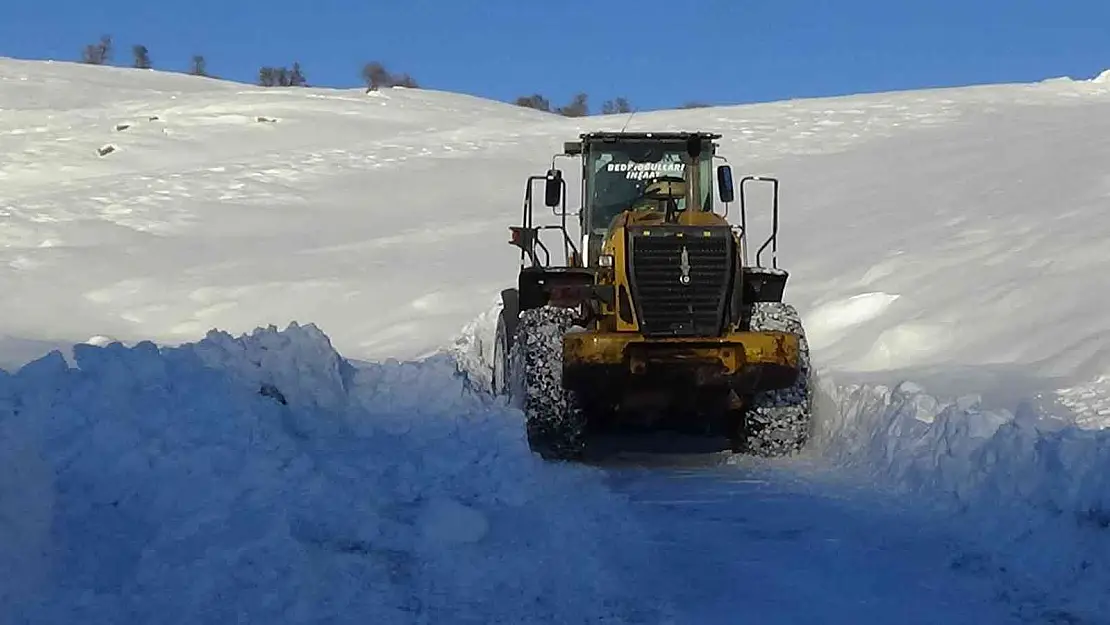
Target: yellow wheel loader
x: 653, y: 318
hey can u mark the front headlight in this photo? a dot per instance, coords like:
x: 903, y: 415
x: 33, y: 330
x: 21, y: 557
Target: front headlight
x: 605, y: 260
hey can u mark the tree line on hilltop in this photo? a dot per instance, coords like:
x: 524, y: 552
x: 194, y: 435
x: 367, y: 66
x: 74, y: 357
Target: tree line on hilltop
x: 374, y: 76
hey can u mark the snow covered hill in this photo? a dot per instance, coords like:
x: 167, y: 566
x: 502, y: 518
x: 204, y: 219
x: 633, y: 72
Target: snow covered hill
x: 914, y: 223
x: 947, y: 251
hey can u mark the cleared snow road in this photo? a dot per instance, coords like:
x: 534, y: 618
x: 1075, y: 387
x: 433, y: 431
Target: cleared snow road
x: 750, y: 544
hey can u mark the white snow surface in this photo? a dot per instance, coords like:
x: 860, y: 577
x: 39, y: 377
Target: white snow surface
x: 164, y: 485
x: 947, y: 253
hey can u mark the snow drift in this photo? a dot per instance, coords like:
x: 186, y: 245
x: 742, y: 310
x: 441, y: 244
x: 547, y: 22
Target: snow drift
x: 264, y: 478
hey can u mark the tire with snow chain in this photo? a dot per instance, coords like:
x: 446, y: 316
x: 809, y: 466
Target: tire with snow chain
x: 502, y: 344
x: 554, y: 420
x: 778, y: 422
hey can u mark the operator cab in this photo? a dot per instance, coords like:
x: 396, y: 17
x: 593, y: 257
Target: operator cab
x: 668, y: 172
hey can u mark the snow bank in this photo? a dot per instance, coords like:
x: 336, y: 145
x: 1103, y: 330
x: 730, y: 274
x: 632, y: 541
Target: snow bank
x: 263, y: 478
x: 1031, y: 488
x: 974, y: 455
x: 472, y: 349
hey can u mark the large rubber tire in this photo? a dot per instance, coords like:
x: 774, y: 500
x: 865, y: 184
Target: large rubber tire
x: 554, y: 420
x: 778, y: 423
x: 502, y: 344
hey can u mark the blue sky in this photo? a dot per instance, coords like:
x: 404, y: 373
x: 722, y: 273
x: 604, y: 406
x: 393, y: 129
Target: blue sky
x: 657, y: 53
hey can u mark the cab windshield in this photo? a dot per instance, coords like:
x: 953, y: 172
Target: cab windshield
x: 617, y: 174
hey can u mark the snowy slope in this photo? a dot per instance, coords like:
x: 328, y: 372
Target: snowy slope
x: 951, y: 238
x: 913, y: 223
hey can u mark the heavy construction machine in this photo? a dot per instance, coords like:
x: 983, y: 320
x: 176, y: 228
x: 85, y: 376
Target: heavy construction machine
x: 654, y: 317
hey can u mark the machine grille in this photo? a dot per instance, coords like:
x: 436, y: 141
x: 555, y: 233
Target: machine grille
x: 680, y: 278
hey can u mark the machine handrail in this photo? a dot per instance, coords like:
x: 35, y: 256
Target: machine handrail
x: 772, y: 240
x: 529, y: 247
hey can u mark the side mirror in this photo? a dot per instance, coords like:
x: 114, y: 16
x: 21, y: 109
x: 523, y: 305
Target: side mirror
x: 724, y: 184
x: 553, y: 188
x: 693, y: 147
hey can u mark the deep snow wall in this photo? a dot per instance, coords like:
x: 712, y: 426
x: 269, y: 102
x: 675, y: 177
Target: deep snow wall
x: 263, y: 478
x: 1029, y: 488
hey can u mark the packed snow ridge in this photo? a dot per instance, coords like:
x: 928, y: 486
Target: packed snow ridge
x: 266, y: 477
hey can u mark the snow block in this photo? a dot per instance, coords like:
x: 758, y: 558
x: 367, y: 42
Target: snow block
x: 300, y: 362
